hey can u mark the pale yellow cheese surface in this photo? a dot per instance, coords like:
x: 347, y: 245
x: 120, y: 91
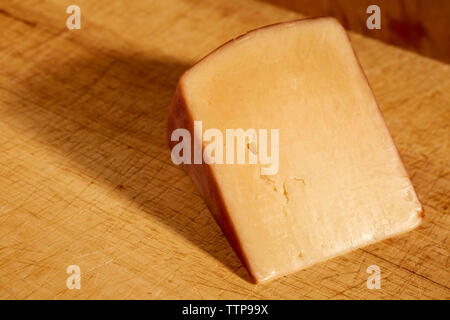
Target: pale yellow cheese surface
x: 341, y: 184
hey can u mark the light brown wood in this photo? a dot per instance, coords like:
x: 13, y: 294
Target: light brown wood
x: 86, y: 176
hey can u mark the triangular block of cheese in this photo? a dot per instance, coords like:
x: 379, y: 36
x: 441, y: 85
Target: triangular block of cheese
x: 339, y: 183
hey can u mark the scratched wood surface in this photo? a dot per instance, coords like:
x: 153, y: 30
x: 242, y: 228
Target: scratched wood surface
x: 86, y: 177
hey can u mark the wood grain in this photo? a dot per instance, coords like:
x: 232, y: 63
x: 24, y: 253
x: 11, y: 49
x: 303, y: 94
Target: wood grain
x: 86, y: 176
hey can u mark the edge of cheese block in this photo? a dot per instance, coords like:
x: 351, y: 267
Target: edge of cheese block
x: 203, y: 177
x: 206, y: 183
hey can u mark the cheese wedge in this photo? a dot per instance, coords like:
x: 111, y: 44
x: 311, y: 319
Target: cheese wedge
x: 340, y: 184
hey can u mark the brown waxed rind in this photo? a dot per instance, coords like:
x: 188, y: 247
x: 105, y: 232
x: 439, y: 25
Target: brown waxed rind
x: 201, y: 174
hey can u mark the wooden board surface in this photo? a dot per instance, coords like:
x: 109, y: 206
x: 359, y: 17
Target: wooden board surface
x: 86, y: 177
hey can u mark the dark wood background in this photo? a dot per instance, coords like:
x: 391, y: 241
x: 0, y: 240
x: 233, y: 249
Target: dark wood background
x: 419, y: 25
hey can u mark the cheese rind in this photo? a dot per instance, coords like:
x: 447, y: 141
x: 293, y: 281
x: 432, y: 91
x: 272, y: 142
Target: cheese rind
x: 340, y: 185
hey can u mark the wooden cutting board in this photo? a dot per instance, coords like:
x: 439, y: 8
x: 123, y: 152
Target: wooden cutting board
x: 86, y: 177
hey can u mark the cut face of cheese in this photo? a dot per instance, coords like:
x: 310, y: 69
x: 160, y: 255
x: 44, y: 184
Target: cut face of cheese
x: 340, y: 184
